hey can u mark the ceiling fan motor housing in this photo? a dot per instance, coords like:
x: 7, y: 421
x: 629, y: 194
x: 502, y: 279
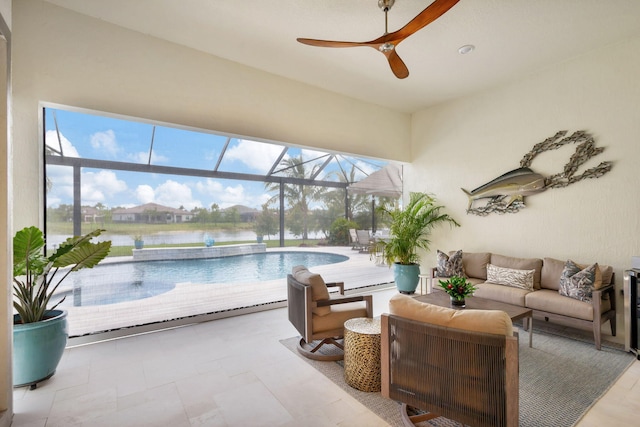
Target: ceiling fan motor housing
x: 385, y: 5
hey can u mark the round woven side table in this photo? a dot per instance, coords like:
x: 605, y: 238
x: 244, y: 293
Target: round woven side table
x: 362, y: 353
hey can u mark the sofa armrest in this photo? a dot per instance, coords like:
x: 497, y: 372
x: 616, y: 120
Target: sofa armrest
x: 607, y: 292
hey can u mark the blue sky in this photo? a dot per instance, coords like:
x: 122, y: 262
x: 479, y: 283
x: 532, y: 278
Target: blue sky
x: 106, y: 138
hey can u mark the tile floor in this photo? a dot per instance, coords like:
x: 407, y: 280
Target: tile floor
x: 227, y: 372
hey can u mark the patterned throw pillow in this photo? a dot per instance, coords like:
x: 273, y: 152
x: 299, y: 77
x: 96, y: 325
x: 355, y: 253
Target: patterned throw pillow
x: 522, y: 279
x: 578, y: 283
x: 449, y: 266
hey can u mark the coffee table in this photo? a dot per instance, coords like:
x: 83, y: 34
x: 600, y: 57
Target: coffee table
x: 442, y: 299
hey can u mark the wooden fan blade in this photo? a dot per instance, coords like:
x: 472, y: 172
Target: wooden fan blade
x: 427, y: 16
x: 397, y: 65
x: 331, y: 43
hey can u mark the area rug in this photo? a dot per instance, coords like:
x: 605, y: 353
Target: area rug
x: 561, y: 377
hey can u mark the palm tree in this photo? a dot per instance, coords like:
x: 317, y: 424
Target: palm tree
x: 298, y: 196
x: 356, y: 203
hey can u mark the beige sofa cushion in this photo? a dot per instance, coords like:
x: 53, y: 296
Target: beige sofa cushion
x: 488, y: 321
x: 552, y: 302
x: 475, y: 264
x: 319, y: 290
x: 520, y: 264
x: 501, y: 293
x: 551, y: 273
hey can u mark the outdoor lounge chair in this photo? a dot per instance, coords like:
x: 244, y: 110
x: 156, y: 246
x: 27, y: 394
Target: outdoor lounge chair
x: 319, y: 317
x: 364, y: 240
x: 354, y: 239
x: 459, y: 364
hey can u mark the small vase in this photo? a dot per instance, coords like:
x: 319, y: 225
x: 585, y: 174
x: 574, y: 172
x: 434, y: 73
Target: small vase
x: 457, y: 303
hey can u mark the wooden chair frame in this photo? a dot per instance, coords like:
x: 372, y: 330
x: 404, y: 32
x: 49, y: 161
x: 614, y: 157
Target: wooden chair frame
x: 300, y: 309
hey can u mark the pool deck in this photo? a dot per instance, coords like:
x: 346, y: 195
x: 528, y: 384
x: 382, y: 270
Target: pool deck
x: 191, y: 299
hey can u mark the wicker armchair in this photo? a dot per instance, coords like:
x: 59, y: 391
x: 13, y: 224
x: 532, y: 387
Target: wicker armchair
x: 467, y: 376
x: 318, y: 317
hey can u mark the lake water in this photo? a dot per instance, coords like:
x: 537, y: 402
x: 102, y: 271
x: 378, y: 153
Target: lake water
x: 178, y: 237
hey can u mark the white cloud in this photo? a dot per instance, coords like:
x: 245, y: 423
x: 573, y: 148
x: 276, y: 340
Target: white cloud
x: 216, y: 192
x: 209, y: 187
x: 105, y: 142
x: 51, y: 140
x: 95, y: 186
x: 53, y: 201
x: 256, y: 155
x: 100, y: 186
x: 169, y: 193
x: 145, y: 194
x: 368, y: 168
x: 142, y: 157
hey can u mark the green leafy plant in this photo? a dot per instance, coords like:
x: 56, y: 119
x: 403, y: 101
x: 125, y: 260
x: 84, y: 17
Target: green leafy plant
x: 410, y: 228
x: 339, y: 231
x: 457, y: 287
x: 137, y: 238
x: 36, y: 277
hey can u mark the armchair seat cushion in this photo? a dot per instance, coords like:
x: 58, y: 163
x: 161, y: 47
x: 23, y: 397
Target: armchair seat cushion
x: 339, y: 313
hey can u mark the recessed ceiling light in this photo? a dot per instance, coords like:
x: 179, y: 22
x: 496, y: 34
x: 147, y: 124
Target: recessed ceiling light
x: 467, y: 48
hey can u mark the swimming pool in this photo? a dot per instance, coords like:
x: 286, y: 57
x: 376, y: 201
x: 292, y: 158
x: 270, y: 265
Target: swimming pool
x: 127, y: 281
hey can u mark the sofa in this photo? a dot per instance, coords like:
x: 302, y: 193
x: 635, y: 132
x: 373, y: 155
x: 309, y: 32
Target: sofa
x: 561, y: 291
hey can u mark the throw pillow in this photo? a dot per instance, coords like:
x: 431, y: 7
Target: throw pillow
x: 449, y: 266
x: 578, y: 283
x: 597, y: 284
x: 522, y: 279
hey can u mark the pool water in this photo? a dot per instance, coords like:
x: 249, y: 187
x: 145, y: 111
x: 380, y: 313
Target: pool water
x: 127, y: 281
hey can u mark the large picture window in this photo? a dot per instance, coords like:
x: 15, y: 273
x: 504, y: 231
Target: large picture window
x: 155, y: 186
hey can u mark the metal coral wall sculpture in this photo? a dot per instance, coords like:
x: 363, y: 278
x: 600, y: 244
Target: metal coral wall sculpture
x: 506, y: 192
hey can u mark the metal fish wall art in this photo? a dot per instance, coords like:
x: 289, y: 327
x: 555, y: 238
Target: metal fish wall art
x: 506, y: 192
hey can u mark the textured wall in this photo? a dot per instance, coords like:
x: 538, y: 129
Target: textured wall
x: 468, y: 142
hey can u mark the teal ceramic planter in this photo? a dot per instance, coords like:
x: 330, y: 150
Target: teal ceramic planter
x: 38, y: 348
x: 406, y: 277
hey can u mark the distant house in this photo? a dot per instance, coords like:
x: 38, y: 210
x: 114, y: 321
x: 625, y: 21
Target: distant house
x: 151, y: 213
x: 246, y: 213
x: 91, y: 214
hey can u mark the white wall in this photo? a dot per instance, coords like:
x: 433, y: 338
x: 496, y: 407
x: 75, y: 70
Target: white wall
x: 6, y: 308
x: 468, y: 142
x: 67, y: 58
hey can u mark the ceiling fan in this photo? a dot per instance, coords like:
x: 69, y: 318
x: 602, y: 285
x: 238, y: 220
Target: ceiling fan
x: 388, y: 41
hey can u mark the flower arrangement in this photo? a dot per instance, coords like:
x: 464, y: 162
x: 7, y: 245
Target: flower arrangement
x: 457, y: 287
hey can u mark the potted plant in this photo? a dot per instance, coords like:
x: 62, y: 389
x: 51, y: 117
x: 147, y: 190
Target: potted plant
x: 409, y: 231
x: 138, y: 242
x: 208, y: 240
x: 458, y: 289
x: 40, y: 330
